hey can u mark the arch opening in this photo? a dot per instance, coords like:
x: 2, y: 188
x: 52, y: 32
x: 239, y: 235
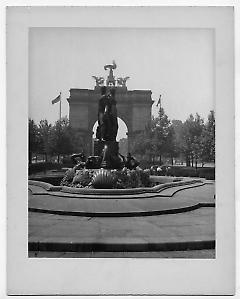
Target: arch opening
x: 122, y: 136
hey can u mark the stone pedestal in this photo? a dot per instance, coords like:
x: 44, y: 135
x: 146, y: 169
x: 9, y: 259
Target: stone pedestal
x: 99, y: 145
x: 109, y: 151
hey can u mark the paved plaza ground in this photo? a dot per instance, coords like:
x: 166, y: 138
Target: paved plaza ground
x: 178, y: 223
x: 190, y: 254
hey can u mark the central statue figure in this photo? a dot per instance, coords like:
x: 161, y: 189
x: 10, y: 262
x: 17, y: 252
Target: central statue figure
x: 107, y: 115
x: 107, y: 147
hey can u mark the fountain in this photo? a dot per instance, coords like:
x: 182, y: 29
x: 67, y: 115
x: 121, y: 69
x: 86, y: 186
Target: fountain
x: 109, y: 169
x: 114, y: 188
x: 109, y: 172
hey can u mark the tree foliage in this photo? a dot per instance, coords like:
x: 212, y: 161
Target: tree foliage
x: 162, y: 138
x: 45, y: 131
x: 156, y: 139
x: 208, y: 139
x: 33, y: 139
x: 192, y: 139
x: 51, y: 140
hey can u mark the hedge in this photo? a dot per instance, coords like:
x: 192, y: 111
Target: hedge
x: 177, y: 171
x: 43, y: 166
x: 203, y: 172
x: 55, y: 181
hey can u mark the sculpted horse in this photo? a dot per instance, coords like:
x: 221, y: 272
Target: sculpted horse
x: 122, y: 81
x: 99, y: 80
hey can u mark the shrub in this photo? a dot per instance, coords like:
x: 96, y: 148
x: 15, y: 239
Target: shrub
x: 56, y: 180
x: 43, y: 166
x: 203, y: 172
x: 125, y: 178
x: 207, y: 172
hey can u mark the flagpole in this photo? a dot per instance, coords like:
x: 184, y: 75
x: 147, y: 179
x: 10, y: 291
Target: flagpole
x: 160, y: 103
x: 60, y: 107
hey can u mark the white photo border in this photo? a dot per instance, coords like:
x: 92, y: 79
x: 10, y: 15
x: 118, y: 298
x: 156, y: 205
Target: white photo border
x: 129, y: 275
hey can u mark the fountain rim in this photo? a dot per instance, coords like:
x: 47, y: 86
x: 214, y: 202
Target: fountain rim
x: 128, y: 191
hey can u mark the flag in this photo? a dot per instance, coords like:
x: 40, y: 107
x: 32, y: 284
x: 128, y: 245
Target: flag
x: 57, y: 99
x: 159, y: 100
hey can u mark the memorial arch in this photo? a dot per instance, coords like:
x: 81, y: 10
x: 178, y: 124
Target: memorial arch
x: 133, y: 107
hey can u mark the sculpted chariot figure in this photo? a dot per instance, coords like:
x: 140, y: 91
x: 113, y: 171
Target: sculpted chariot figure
x: 110, y: 78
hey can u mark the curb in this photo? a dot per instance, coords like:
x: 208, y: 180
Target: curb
x: 134, y: 191
x: 123, y: 214
x: 44, y: 185
x: 119, y: 196
x: 120, y: 247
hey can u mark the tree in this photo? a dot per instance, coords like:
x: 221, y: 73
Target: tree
x: 171, y: 145
x: 142, y: 142
x: 208, y: 139
x: 33, y: 139
x: 177, y: 126
x: 156, y: 140
x: 192, y: 139
x: 64, y: 139
x: 45, y: 130
x: 163, y: 135
x: 197, y: 138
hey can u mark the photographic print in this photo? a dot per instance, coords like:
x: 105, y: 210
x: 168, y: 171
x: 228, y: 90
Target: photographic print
x: 120, y: 139
x: 121, y: 143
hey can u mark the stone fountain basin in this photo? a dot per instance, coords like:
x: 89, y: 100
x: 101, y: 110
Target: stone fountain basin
x: 161, y: 199
x: 162, y: 183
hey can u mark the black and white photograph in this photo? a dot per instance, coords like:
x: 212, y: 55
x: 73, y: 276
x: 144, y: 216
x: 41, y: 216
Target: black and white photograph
x: 121, y: 143
x: 123, y: 126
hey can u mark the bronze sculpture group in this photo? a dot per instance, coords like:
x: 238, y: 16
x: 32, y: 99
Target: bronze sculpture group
x: 108, y: 153
x: 107, y: 129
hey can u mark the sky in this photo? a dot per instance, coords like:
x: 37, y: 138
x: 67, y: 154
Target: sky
x: 176, y: 63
